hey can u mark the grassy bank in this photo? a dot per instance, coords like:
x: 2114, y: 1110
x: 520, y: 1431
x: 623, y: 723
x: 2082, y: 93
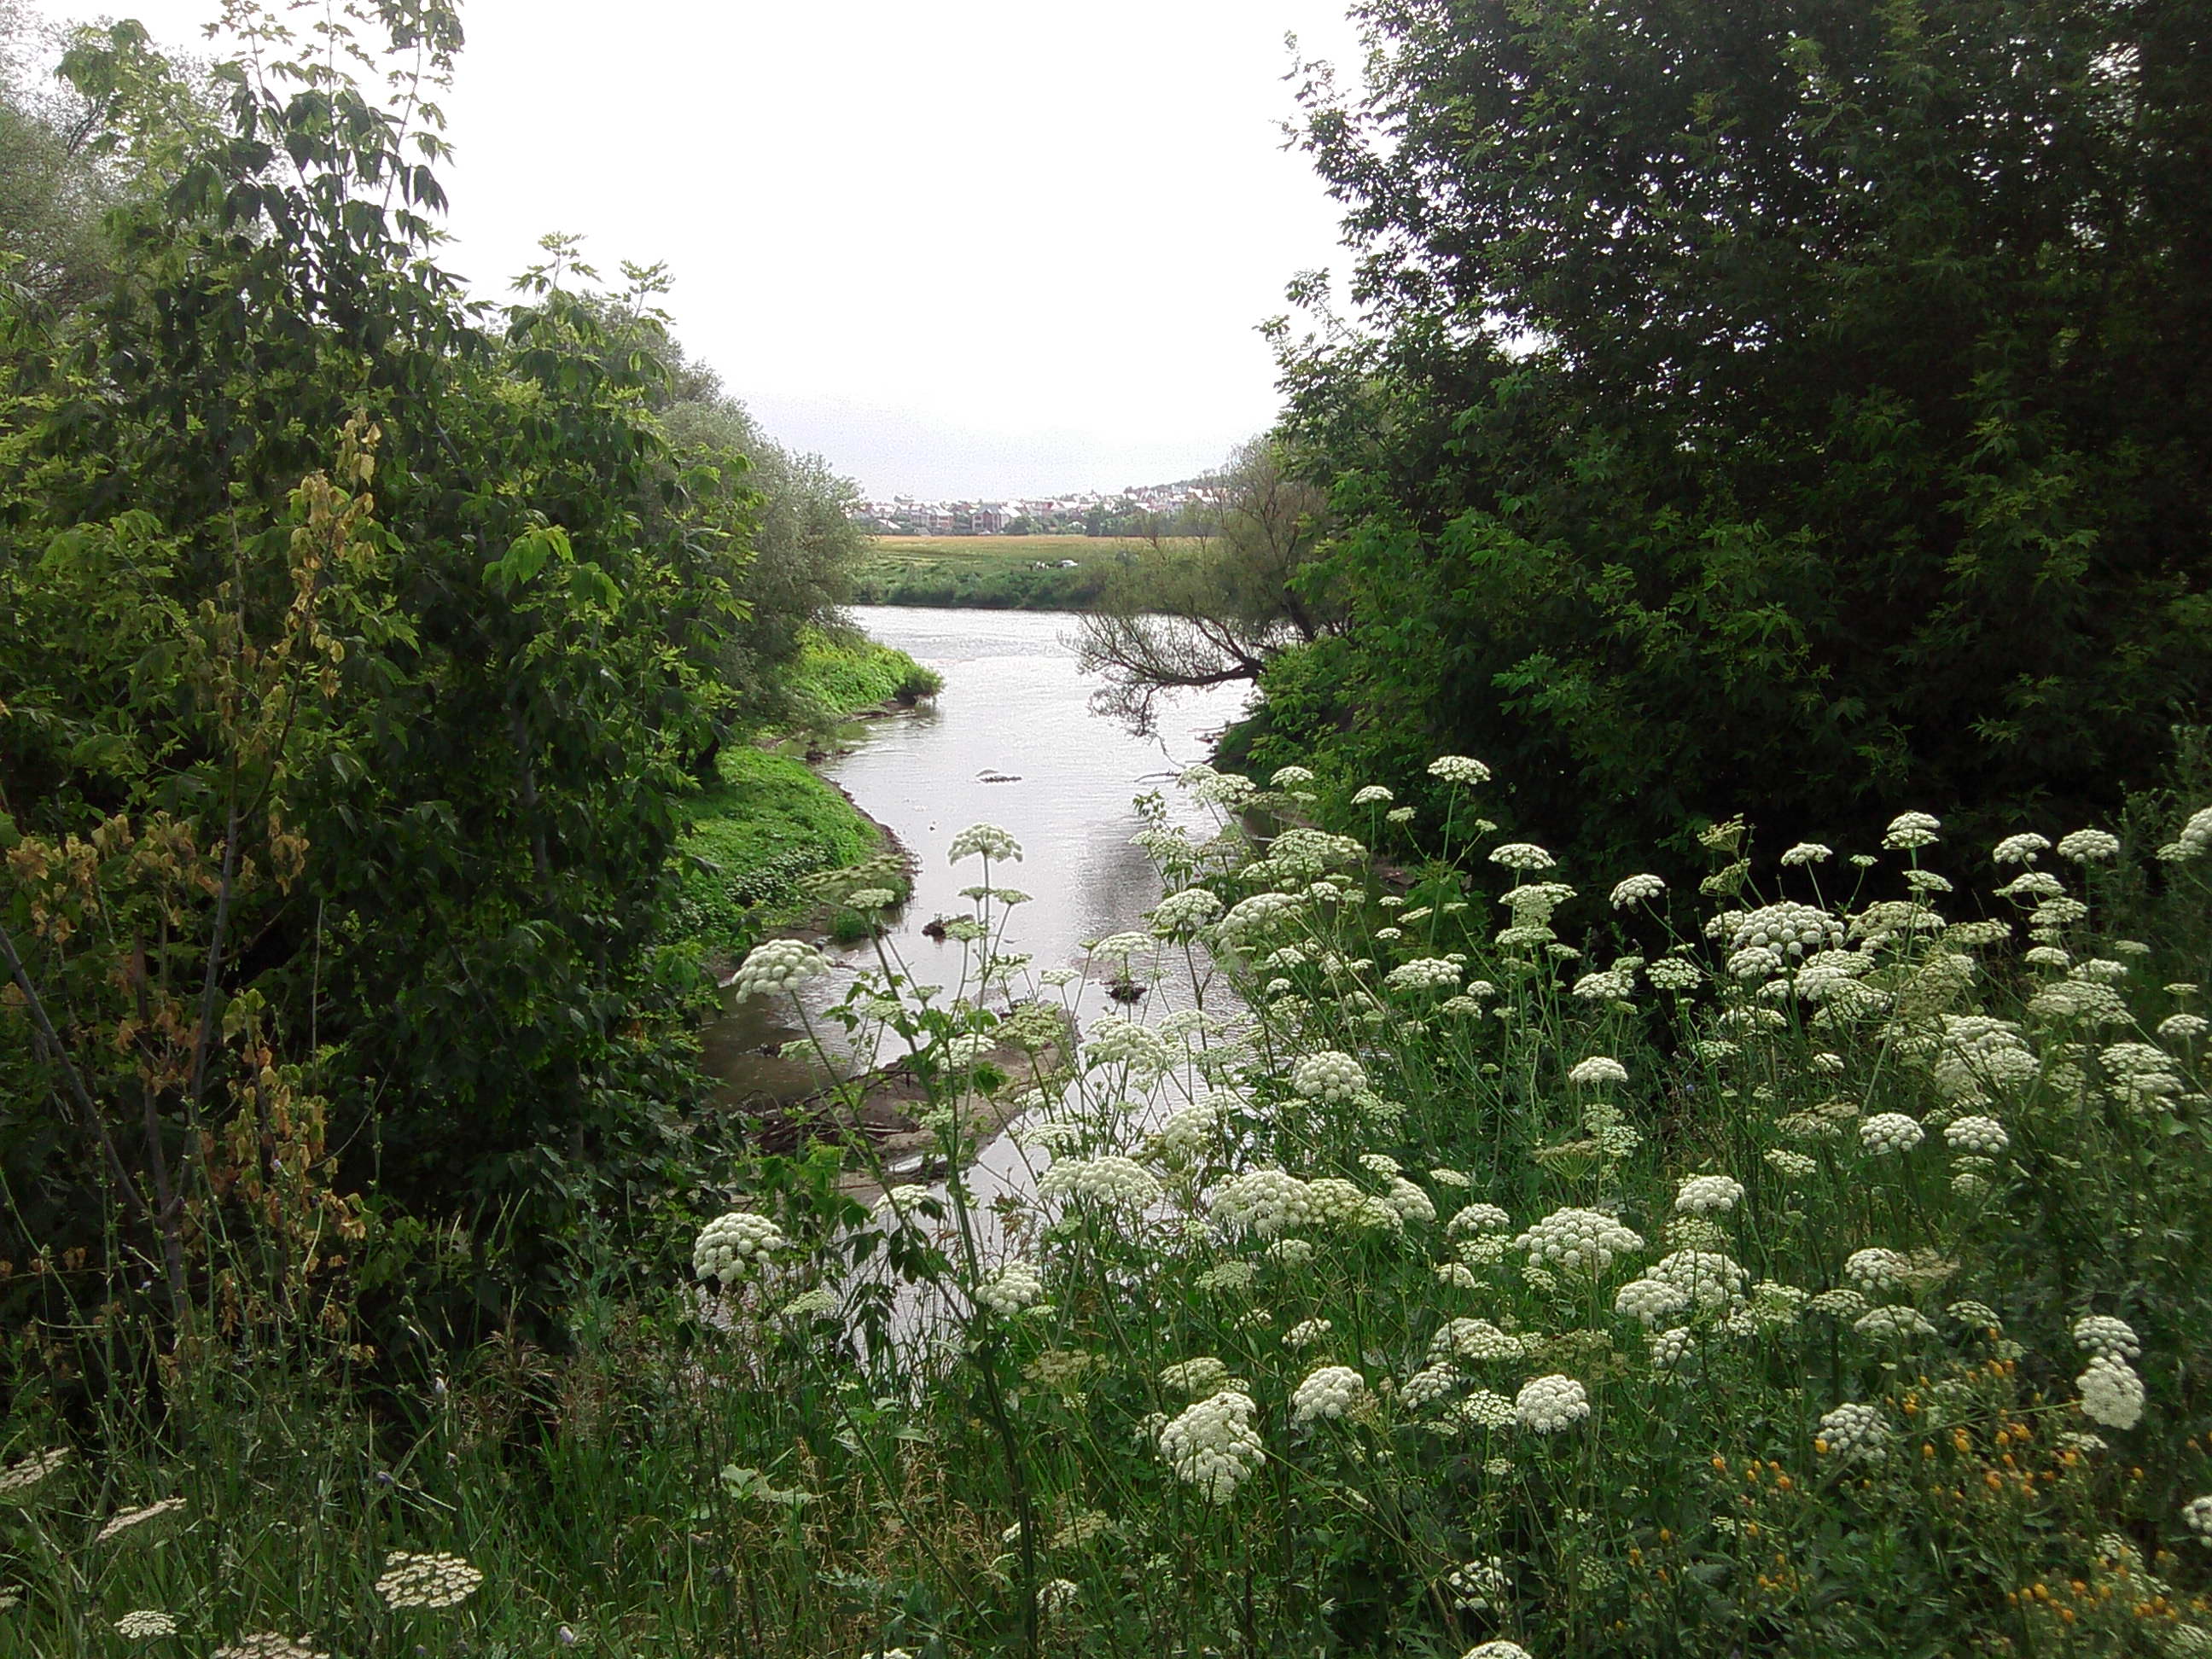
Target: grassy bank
x: 1821, y: 1278
x: 1001, y: 573
x: 769, y: 821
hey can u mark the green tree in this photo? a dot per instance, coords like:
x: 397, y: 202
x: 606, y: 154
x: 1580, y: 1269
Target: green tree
x: 1215, y: 603
x: 1784, y: 405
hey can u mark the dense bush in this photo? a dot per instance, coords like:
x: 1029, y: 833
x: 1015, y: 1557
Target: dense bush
x: 1790, y: 403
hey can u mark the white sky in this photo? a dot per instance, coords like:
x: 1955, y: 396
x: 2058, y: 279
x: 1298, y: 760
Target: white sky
x: 977, y: 247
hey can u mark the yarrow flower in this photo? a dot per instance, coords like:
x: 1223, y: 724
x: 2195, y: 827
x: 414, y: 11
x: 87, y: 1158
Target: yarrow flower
x: 1458, y: 768
x: 2112, y: 1393
x: 1331, y: 1391
x: 428, y: 1580
x: 145, y: 1624
x: 1549, y: 1404
x: 1708, y: 1194
x: 1636, y: 889
x: 1890, y: 1132
x: 778, y: 964
x: 984, y: 840
x: 733, y: 1246
x: 1853, y: 1430
x: 1597, y: 1070
x: 131, y: 1520
x: 267, y: 1644
x: 1212, y: 1445
x: 28, y: 1474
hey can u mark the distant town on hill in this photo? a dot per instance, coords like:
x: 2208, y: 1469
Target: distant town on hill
x: 1138, y: 510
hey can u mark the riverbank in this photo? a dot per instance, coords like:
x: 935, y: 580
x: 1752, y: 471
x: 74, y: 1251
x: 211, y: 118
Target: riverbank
x: 770, y: 821
x: 989, y: 572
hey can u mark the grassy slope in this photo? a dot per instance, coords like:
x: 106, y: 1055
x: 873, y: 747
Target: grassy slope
x: 768, y: 820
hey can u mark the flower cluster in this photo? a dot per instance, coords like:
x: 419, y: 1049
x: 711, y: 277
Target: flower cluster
x: 1112, y: 1180
x: 1588, y: 1239
x: 131, y: 1521
x: 1264, y: 1202
x: 1459, y: 769
x: 984, y: 840
x: 779, y: 964
x: 1981, y: 1137
x: 1597, y: 1072
x: 430, y: 1580
x: 267, y: 1644
x: 145, y: 1625
x: 1212, y: 1444
x: 1327, y: 1075
x: 1331, y: 1391
x: 1708, y: 1194
x: 1184, y: 913
x: 1636, y: 889
x: 1910, y: 830
x: 2112, y: 1393
x: 733, y: 1246
x: 1014, y: 1287
x: 1891, y: 1132
x: 1522, y: 855
x: 2197, y: 1517
x: 30, y: 1473
x: 1546, y: 1405
x: 1853, y: 1430
x: 2103, y: 1337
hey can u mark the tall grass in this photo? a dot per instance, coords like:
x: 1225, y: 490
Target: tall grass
x: 1715, y: 1284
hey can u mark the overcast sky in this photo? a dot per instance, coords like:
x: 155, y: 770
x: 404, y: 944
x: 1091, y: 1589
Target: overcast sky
x: 976, y: 247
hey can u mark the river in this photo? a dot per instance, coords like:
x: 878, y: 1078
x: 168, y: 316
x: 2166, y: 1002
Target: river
x: 1010, y: 740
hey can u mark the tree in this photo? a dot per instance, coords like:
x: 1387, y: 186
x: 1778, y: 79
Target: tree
x: 1782, y: 405
x: 1215, y: 607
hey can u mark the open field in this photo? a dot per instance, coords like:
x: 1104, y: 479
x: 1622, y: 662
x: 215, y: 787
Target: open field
x: 998, y: 572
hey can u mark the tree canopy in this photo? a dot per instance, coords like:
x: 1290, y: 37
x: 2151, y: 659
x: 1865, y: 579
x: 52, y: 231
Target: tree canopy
x: 1791, y: 404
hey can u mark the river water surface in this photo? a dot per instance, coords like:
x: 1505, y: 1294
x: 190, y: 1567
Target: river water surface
x: 1010, y: 740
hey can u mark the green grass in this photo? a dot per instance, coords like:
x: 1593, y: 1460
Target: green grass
x: 842, y: 671
x: 1838, y: 1412
x: 992, y: 572
x: 768, y: 823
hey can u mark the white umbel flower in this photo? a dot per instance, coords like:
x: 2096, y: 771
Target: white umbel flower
x: 984, y: 840
x: 1979, y: 1136
x: 1265, y: 1202
x: 1522, y: 855
x: 1910, y: 830
x: 778, y: 964
x: 1016, y: 1286
x: 1327, y: 1075
x: 1331, y: 1391
x: 1636, y: 889
x: 1459, y: 769
x: 145, y: 1625
x: 1708, y: 1194
x: 733, y: 1246
x: 1586, y: 1239
x: 1890, y: 1132
x: 1112, y: 1182
x: 1853, y: 1430
x: 1597, y: 1072
x: 2107, y: 1338
x: 1212, y: 1445
x: 1498, y: 1649
x: 2197, y: 1515
x: 1546, y: 1405
x: 2112, y: 1393
x: 2090, y: 846
x: 435, y: 1580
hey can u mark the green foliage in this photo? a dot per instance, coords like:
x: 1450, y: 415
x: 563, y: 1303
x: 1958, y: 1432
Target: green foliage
x: 1813, y: 417
x: 754, y: 834
x: 991, y: 573
x: 841, y: 672
x: 396, y: 762
x: 1829, y: 1394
